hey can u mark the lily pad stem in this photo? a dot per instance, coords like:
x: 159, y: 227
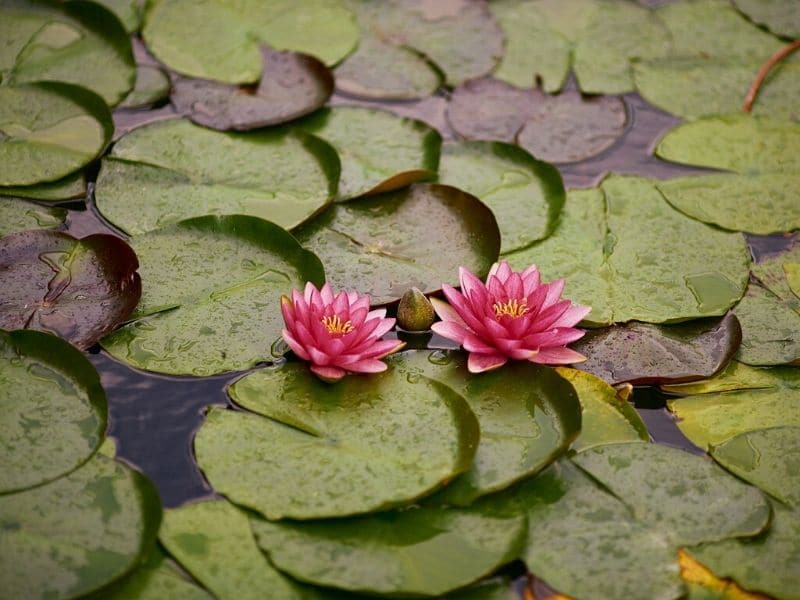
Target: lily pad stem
x: 764, y: 71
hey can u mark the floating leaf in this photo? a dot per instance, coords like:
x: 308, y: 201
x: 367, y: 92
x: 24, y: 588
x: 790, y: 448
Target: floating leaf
x: 212, y: 39
x: 363, y: 444
x: 53, y: 409
x: 761, y: 195
x: 78, y: 289
x: 79, y: 43
x: 20, y: 215
x: 525, y: 195
x: 738, y: 400
x: 70, y: 187
x: 165, y: 172
x: 606, y: 418
x: 382, y: 245
x: 702, y: 584
x: 629, y: 255
x: 292, y: 85
x: 77, y: 533
x: 643, y: 354
x: 129, y: 12
x: 152, y: 86
x: 407, y: 553
x: 490, y: 589
x: 780, y: 17
x: 528, y: 416
x: 770, y: 329
x: 212, y: 285
x: 368, y: 164
x: 49, y: 130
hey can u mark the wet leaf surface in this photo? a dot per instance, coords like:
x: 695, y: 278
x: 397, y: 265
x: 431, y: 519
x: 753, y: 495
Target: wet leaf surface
x: 152, y: 86
x: 378, y: 151
x: 624, y: 251
x: 211, y: 295
x: 292, y: 85
x: 770, y: 328
x: 319, y: 450
x: 525, y: 195
x: 528, y: 416
x: 77, y: 533
x: 19, y: 215
x: 382, y: 245
x: 166, y: 172
x: 643, y: 354
x: 70, y: 187
x: 53, y: 409
x: 78, y: 289
x: 49, y: 130
x: 129, y: 12
x: 781, y: 18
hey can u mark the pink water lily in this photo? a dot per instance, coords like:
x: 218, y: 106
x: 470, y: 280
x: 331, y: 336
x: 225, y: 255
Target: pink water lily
x: 513, y: 316
x: 337, y: 333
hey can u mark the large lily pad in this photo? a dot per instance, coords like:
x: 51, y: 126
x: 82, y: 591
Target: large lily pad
x: 761, y: 194
x: 740, y: 399
x: 525, y: 195
x: 382, y: 245
x: 20, y: 215
x: 73, y: 42
x: 49, y: 130
x: 166, y: 172
x: 597, y: 38
x: 77, y: 533
x: 627, y: 253
x: 770, y: 329
x: 212, y: 287
x: 78, y: 289
x: 292, y: 85
x: 643, y: 354
x: 420, y: 551
x: 53, y: 409
x: 780, y: 17
x: 70, y: 187
x: 528, y: 416
x: 363, y: 444
x: 212, y: 39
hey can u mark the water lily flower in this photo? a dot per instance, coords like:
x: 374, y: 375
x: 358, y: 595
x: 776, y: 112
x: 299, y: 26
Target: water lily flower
x: 513, y: 316
x: 337, y: 333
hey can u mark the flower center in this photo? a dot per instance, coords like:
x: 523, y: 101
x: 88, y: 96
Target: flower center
x: 336, y: 326
x: 513, y: 308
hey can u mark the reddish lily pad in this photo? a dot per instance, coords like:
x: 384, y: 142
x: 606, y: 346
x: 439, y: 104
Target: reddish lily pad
x: 292, y: 85
x: 79, y: 289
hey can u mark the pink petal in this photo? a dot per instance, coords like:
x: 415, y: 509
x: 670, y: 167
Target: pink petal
x: 507, y: 346
x: 468, y: 281
x: 367, y: 366
x: 522, y: 354
x: 383, y: 348
x: 473, y: 343
x: 554, y: 337
x: 287, y: 309
x: 341, y: 305
x: 464, y: 309
x: 384, y: 326
x: 318, y: 357
x: 326, y: 293
x: 554, y: 290
x: 451, y: 330
x: 296, y: 347
x: 573, y: 316
x: 308, y: 293
x: 359, y: 304
x: 530, y: 280
x: 513, y: 286
x: 496, y: 289
x: 503, y: 271
x: 446, y: 312
x: 329, y: 374
x: 558, y: 356
x: 547, y: 317
x: 314, y: 298
x: 353, y: 297
x: 357, y: 317
x: 478, y: 363
x: 378, y: 313
x: 303, y: 335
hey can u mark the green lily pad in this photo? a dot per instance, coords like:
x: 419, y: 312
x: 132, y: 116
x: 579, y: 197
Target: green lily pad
x: 78, y: 289
x: 212, y: 285
x: 368, y: 164
x: 420, y: 551
x: 382, y: 245
x: 643, y: 354
x: 780, y: 17
x: 627, y: 253
x: 213, y: 541
x: 292, y: 85
x: 152, y: 86
x: 129, y: 12
x: 760, y: 196
x: 770, y: 329
x: 19, y: 215
x: 740, y: 399
x: 360, y: 445
x: 490, y: 589
x: 212, y: 39
x: 598, y: 39
x: 53, y: 409
x: 166, y: 172
x: 71, y: 536
x: 528, y: 416
x: 79, y: 43
x: 606, y: 418
x: 792, y: 272
x: 49, y: 130
x: 686, y: 496
x: 525, y: 195
x: 70, y: 187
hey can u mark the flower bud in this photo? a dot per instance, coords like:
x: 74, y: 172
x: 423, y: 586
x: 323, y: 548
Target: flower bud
x: 415, y: 312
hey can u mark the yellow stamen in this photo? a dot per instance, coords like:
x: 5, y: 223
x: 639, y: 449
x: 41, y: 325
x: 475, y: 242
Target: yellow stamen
x: 335, y: 326
x: 513, y: 308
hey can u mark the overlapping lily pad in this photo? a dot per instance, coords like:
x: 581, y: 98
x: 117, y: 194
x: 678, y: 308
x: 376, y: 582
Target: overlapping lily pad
x: 528, y: 416
x: 77, y: 533
x: 627, y: 253
x: 219, y: 40
x: 781, y: 18
x: 53, y: 409
x: 525, y: 195
x: 78, y: 289
x: 80, y: 43
x: 292, y: 85
x: 68, y: 188
x: 152, y: 86
x: 49, y: 130
x: 212, y: 287
x: 129, y: 12
x: 382, y: 245
x: 166, y: 172
x: 20, y: 215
